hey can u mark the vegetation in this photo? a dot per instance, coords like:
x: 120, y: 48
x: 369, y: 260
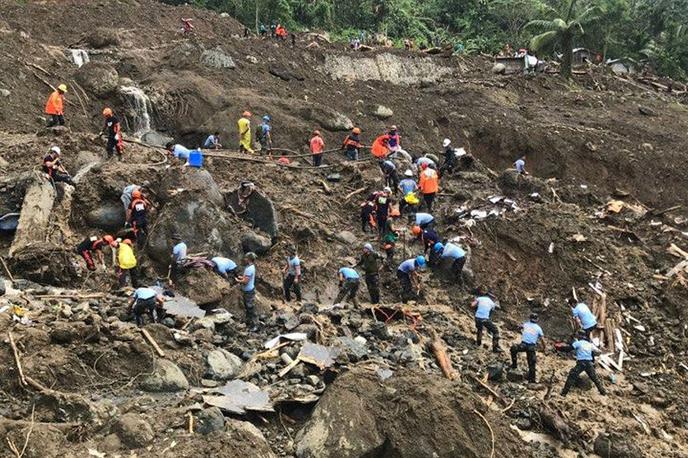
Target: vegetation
x: 653, y: 31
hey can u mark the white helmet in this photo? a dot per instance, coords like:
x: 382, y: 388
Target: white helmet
x: 408, y: 173
x: 446, y: 142
x: 56, y: 150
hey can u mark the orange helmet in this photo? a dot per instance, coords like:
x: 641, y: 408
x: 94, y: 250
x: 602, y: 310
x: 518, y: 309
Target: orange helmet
x: 107, y: 112
x: 110, y: 240
x: 246, y: 114
x: 126, y: 242
x: 136, y: 194
x: 416, y: 230
x: 356, y: 130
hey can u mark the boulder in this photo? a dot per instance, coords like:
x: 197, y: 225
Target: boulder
x: 222, y: 365
x: 259, y: 211
x: 195, y: 183
x: 210, y: 420
x: 102, y: 37
x: 511, y: 183
x: 5, y: 92
x: 251, y: 241
x: 217, y: 58
x: 347, y: 237
x: 327, y: 118
x: 382, y: 112
x: 134, y: 431
x: 204, y: 287
x: 98, y: 78
x: 109, y: 216
x: 616, y: 445
x: 167, y: 377
x: 499, y: 69
x: 156, y: 138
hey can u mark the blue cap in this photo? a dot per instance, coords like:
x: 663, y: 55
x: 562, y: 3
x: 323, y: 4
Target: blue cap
x: 368, y: 247
x: 438, y: 247
x: 267, y: 118
x: 420, y: 260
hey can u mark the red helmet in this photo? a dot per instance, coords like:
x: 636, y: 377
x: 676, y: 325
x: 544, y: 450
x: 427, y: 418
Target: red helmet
x: 416, y: 230
x: 136, y: 194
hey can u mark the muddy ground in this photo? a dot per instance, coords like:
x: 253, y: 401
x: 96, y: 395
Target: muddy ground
x: 92, y: 384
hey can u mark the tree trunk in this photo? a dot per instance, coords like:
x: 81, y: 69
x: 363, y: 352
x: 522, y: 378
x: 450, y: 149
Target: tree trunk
x: 567, y: 50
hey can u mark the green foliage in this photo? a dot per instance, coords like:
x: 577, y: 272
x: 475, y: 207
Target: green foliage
x: 655, y: 30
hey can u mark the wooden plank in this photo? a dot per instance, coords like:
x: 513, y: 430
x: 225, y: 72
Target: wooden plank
x: 153, y: 343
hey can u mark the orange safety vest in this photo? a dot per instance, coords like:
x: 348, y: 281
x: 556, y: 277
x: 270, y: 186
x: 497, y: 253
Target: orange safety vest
x: 379, y: 148
x: 429, y: 181
x: 55, y: 104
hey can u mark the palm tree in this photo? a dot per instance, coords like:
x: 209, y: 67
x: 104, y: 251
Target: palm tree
x: 562, y: 30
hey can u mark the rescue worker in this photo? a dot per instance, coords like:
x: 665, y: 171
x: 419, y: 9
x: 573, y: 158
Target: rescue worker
x: 531, y: 333
x: 248, y: 289
x: 367, y: 210
x: 126, y: 196
x: 389, y: 169
x: 422, y: 220
x: 352, y: 144
x: 146, y: 300
x: 113, y: 129
x: 264, y: 134
x: 225, y: 267
x: 427, y: 237
x: 244, y: 125
x: 379, y: 149
x: 585, y: 350
x: 428, y: 184
x: 585, y: 319
x: 484, y: 305
x: 349, y: 281
x: 408, y: 274
x: 394, y: 140
x: 389, y: 241
x: 94, y: 246
x: 292, y: 276
x: 54, y: 107
x: 52, y: 166
x: 454, y: 254
x: 520, y: 165
x: 371, y: 270
x: 179, y: 252
x: 213, y: 141
x: 178, y: 151
x: 317, y: 145
x: 126, y: 264
x: 187, y: 26
x: 383, y: 201
x: 137, y: 216
x: 425, y: 160
x: 449, y: 158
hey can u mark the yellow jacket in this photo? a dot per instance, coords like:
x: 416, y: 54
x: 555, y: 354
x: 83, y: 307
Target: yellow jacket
x: 125, y: 257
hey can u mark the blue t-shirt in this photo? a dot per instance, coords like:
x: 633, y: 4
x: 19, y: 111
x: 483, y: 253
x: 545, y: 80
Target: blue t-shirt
x: 583, y: 313
x: 584, y: 350
x: 265, y: 130
x: 250, y: 272
x: 179, y: 251
x: 393, y: 140
x: 408, y: 185
x: 144, y: 293
x: 531, y: 333
x: 181, y: 152
x: 453, y: 251
x: 349, y: 273
x: 293, y: 264
x: 520, y: 165
x: 210, y: 141
x: 484, y: 307
x: 408, y: 266
x: 224, y: 265
x: 424, y: 218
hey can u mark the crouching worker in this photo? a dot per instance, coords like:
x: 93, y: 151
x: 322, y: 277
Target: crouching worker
x: 453, y: 254
x: 584, y: 362
x: 94, y: 246
x: 408, y: 274
x: 530, y: 336
x: 225, y: 267
x: 349, y: 281
x: 146, y: 300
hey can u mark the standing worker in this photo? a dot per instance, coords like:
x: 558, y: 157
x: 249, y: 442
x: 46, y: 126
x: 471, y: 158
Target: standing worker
x: 585, y: 319
x: 179, y: 252
x: 264, y: 134
x: 54, y: 107
x: 137, y: 216
x: 317, y: 145
x: 126, y: 264
x: 94, y: 246
x: 530, y: 336
x: 394, y: 140
x: 408, y: 274
x: 292, y: 276
x: 113, y: 130
x: 383, y: 201
x: 389, y: 241
x: 146, y: 300
x: 389, y: 170
x: 449, y: 157
x: 371, y: 269
x: 484, y: 305
x: 248, y: 288
x: 244, y: 125
x: 349, y: 281
x: 408, y: 188
x: 584, y: 363
x: 429, y: 185
x: 352, y: 144
x: 52, y: 166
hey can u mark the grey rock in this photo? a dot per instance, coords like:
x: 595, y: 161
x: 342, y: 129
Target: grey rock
x: 256, y: 243
x: 382, y: 112
x: 109, y: 215
x: 5, y: 92
x: 222, y: 365
x: 354, y: 349
x: 210, y: 420
x: 156, y: 138
x: 327, y: 118
x: 134, y: 431
x: 616, y: 446
x: 98, y: 78
x: 167, y: 377
x: 346, y: 237
x: 217, y: 58
x: 252, y: 59
x: 313, y: 380
x: 499, y: 69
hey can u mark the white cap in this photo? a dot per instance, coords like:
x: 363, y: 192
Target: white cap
x: 408, y: 173
x: 387, y: 189
x: 55, y: 149
x: 446, y: 142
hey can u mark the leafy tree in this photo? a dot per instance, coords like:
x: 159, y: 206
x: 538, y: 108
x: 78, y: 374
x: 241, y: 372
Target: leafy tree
x: 560, y: 31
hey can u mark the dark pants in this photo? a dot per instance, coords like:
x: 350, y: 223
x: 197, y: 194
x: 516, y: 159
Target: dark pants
x: 146, y: 306
x: 56, y: 120
x: 447, y: 167
x: 365, y: 217
x: 176, y: 270
x: 486, y: 323
x: 381, y: 218
x: 348, y: 290
x: 352, y: 154
x: 457, y: 266
x: 392, y: 180
x: 373, y: 284
x: 140, y: 232
x: 58, y: 177
x: 86, y: 254
x: 288, y: 285
x: 428, y: 199
x: 317, y: 160
x: 589, y: 331
x: 429, y: 225
x: 582, y: 366
x: 250, y: 306
x: 122, y: 275
x: 531, y: 355
x: 113, y: 146
x: 389, y: 252
x: 406, y: 286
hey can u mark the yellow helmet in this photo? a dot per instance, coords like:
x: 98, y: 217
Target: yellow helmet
x: 62, y: 87
x: 107, y: 112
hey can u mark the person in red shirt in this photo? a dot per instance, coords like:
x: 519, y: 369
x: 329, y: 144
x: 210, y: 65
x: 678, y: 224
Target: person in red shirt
x: 317, y: 147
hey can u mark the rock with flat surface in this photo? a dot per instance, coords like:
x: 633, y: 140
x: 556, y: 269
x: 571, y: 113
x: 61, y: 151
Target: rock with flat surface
x: 167, y: 377
x: 222, y: 365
